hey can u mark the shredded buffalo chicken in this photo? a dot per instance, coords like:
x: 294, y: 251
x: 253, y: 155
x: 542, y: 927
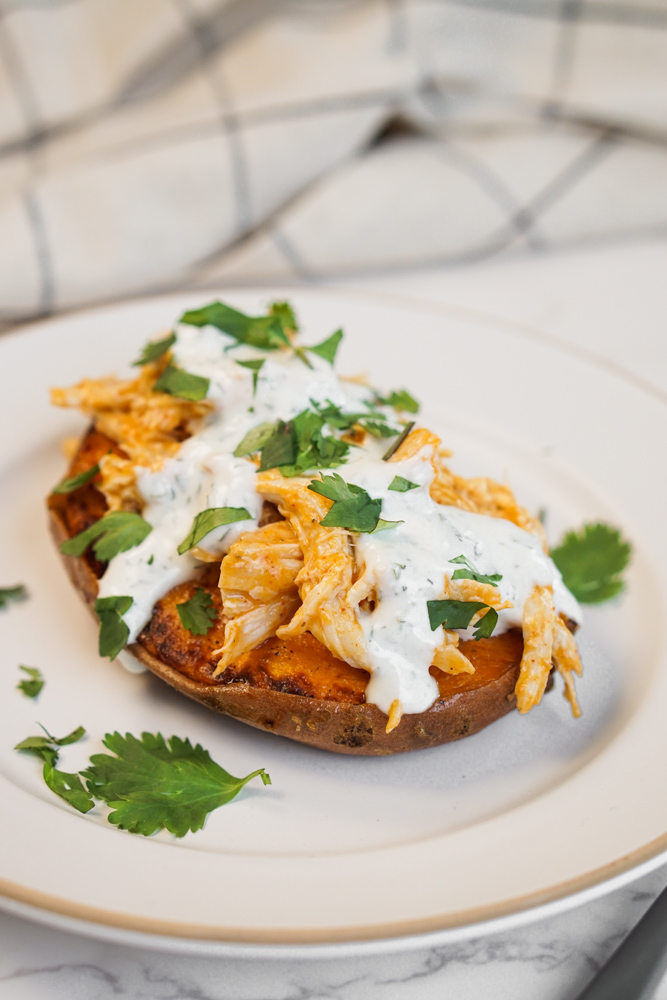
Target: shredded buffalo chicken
x: 294, y: 575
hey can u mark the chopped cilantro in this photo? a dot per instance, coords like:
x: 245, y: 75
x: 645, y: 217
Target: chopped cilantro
x: 209, y: 519
x: 327, y: 349
x: 352, y: 507
x: 177, y: 382
x: 116, y: 532
x: 383, y: 525
x: 198, y: 614
x: 401, y: 485
x: 265, y: 332
x: 155, y: 349
x: 459, y: 614
x: 280, y: 448
x: 8, y: 594
x: 255, y: 367
x: 153, y: 784
x: 114, y: 633
x: 468, y: 572
x: 34, y: 685
x: 255, y: 439
x: 75, y: 482
x: 67, y: 786
x: 393, y: 448
x: 401, y: 400
x: 591, y: 562
x: 284, y: 313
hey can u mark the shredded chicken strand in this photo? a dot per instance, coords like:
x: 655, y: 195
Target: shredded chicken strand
x: 328, y: 569
x: 395, y: 715
x: 451, y: 660
x: 539, y: 618
x: 149, y: 426
x: 566, y: 659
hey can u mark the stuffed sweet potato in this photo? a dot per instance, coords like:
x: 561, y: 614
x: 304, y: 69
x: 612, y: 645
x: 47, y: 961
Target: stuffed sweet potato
x: 297, y: 624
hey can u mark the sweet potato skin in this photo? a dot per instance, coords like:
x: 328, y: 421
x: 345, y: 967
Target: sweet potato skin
x: 294, y: 688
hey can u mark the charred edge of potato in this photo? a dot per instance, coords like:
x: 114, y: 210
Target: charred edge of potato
x: 341, y: 727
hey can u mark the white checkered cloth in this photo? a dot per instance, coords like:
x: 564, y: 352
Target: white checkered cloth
x: 147, y: 144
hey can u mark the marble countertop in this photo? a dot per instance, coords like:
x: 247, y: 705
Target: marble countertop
x: 596, y: 298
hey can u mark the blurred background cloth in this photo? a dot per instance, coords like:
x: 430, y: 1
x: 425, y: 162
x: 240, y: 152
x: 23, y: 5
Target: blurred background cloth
x: 147, y: 144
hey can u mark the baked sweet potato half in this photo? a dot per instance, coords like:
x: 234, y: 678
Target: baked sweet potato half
x: 292, y: 687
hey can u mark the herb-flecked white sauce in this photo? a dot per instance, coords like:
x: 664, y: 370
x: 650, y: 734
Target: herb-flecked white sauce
x: 408, y: 563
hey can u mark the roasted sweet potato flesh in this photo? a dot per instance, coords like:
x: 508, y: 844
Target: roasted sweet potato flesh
x: 295, y: 687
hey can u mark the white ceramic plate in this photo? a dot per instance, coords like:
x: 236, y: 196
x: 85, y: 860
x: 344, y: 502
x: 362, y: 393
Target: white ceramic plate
x: 344, y: 851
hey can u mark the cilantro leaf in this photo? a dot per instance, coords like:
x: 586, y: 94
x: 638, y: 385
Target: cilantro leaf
x: 152, y: 784
x: 265, y: 332
x: 383, y: 525
x: 207, y: 520
x: 67, y: 786
x: 459, y: 614
x: 32, y: 687
x: 154, y: 350
x: 75, y: 482
x: 280, y: 448
x: 591, y: 562
x: 285, y: 315
x: 401, y: 485
x: 116, y: 532
x: 198, y: 614
x: 468, y: 572
x: 114, y: 633
x: 177, y: 382
x: 401, y: 400
x: 7, y: 594
x: 353, y: 508
x: 328, y: 348
x: 255, y: 367
x: 255, y: 439
x: 393, y: 448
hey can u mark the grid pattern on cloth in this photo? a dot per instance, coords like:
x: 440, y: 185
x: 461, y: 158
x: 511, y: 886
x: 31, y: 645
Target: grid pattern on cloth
x: 157, y: 143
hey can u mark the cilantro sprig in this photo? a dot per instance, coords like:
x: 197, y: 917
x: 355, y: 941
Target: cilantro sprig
x: 68, y: 786
x: 154, y: 350
x: 150, y: 783
x: 269, y: 332
x: 459, y: 614
x: 153, y: 784
x: 9, y: 595
x: 177, y: 382
x: 208, y: 520
x: 116, y: 532
x: 401, y: 485
x: 468, y: 572
x: 353, y: 508
x: 72, y: 483
x: 34, y: 684
x: 198, y: 615
x: 591, y: 562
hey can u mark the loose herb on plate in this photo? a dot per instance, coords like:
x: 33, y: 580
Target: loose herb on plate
x: 34, y: 684
x: 15, y: 594
x: 592, y: 560
x: 149, y: 783
x: 67, y: 786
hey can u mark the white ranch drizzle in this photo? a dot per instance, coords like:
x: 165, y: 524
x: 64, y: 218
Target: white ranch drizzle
x: 408, y: 565
x: 205, y: 473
